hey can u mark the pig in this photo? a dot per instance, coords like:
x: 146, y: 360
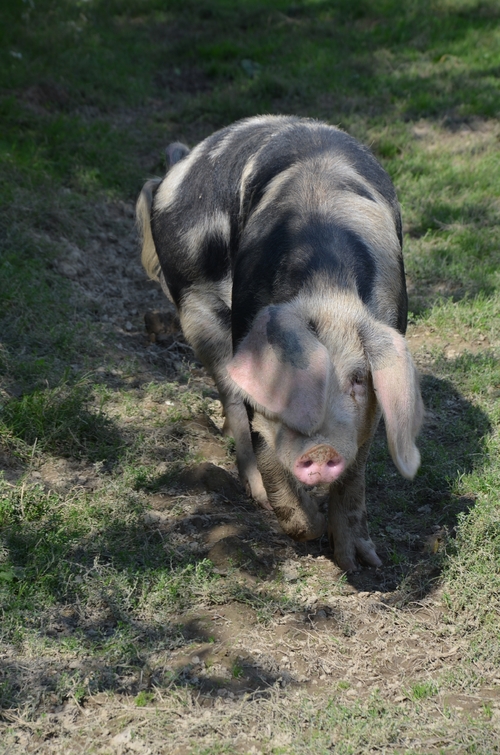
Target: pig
x: 279, y: 240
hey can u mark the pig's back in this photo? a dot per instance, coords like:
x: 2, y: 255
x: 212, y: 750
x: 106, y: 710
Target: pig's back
x: 319, y: 213
x: 267, y: 199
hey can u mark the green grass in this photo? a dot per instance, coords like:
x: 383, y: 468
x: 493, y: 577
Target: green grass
x: 58, y: 421
x: 90, y: 94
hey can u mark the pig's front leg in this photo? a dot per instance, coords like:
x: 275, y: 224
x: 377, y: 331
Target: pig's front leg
x: 347, y: 525
x: 296, y: 512
x: 236, y: 425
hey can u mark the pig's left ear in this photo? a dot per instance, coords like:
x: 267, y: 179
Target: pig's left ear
x: 282, y: 369
x: 396, y: 385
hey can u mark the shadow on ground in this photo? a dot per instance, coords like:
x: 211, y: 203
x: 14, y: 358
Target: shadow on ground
x: 210, y: 557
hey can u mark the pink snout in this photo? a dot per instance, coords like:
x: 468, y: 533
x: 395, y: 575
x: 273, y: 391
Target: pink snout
x: 319, y: 465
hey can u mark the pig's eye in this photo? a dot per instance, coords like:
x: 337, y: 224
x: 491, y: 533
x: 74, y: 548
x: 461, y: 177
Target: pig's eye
x: 358, y: 384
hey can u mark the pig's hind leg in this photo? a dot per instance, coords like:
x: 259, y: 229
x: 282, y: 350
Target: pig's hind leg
x: 347, y: 525
x: 206, y: 323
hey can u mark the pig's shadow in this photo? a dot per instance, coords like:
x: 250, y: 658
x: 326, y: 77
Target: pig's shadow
x: 411, y: 521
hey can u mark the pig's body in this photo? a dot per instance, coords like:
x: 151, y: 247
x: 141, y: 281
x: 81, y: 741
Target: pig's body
x: 279, y: 241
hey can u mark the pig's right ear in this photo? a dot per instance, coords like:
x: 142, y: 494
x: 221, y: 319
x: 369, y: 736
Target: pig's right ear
x: 282, y: 369
x: 396, y: 385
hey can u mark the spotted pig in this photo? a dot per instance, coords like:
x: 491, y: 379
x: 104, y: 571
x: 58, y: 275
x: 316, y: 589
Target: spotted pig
x: 279, y: 241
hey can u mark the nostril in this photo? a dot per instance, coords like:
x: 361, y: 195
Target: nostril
x: 321, y: 464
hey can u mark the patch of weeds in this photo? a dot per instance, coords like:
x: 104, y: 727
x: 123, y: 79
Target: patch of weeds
x: 161, y: 392
x: 61, y: 421
x: 70, y: 685
x: 24, y: 502
x: 422, y: 690
x: 230, y: 445
x: 144, y: 699
x: 142, y: 477
x: 265, y: 603
x: 184, y: 585
x: 7, y: 695
x: 471, y: 317
x: 237, y: 670
x: 396, y: 558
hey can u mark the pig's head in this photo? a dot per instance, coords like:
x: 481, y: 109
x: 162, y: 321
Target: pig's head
x: 315, y: 382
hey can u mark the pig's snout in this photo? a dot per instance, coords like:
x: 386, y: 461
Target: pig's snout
x: 319, y: 465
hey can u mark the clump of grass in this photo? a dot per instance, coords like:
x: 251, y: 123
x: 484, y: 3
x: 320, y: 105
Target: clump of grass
x: 24, y: 502
x: 422, y: 690
x: 144, y: 698
x: 61, y: 421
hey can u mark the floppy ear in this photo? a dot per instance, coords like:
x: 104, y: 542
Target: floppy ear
x: 396, y: 385
x: 282, y: 369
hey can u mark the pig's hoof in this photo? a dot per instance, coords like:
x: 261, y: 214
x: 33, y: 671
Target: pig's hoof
x: 256, y: 490
x: 302, y: 531
x: 350, y: 557
x: 262, y: 501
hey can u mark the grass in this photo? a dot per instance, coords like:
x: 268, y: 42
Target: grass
x: 108, y: 581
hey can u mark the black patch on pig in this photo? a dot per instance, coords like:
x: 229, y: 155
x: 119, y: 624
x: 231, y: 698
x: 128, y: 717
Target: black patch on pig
x: 213, y: 259
x: 357, y: 188
x: 223, y: 314
x: 250, y: 411
x: 211, y: 263
x: 286, y: 343
x: 402, y: 313
x: 167, y: 242
x: 279, y: 263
